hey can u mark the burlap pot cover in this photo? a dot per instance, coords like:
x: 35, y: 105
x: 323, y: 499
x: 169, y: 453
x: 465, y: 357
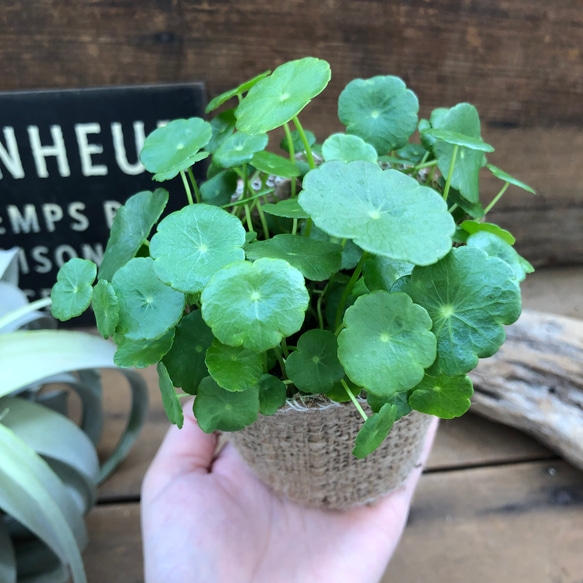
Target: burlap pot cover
x: 304, y: 452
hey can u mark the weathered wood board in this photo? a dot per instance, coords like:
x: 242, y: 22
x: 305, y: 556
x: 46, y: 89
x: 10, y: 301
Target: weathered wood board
x: 520, y: 63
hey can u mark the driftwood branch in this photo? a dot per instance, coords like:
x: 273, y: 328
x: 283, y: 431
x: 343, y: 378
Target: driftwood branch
x: 535, y: 382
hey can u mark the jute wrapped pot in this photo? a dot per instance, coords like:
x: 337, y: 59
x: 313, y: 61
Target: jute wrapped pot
x: 304, y: 452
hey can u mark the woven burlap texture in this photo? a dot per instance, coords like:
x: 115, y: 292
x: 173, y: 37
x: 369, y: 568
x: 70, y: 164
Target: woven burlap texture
x: 304, y: 452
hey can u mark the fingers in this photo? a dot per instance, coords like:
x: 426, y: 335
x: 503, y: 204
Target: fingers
x: 183, y: 451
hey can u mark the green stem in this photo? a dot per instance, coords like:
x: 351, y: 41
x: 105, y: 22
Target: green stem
x: 292, y: 156
x: 430, y: 177
x: 319, y: 302
x: 496, y: 198
x: 248, y: 216
x: 452, y: 208
x: 194, y: 186
x: 354, y: 400
x: 246, y: 200
x: 262, y: 219
x: 450, y: 173
x: 349, y: 287
x: 279, y: 358
x: 305, y: 142
x: 422, y: 165
x: 186, y: 187
x: 146, y: 243
x: 294, y: 226
x: 308, y: 227
x: 284, y: 347
x: 17, y: 314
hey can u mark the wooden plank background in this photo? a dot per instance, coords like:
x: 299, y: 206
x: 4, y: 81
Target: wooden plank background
x: 520, y: 62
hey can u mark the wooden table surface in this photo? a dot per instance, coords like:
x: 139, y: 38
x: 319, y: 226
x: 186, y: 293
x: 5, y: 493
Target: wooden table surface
x: 492, y: 506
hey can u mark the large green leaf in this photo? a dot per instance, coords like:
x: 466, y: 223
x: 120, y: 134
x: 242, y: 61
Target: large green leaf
x: 193, y: 243
x: 384, y: 212
x: 458, y: 139
x: 348, y: 148
x: 374, y: 431
x: 380, y: 110
x: 175, y: 146
x: 472, y: 227
x: 71, y: 294
x: 387, y: 343
x: 278, y: 98
x: 380, y: 273
x: 317, y: 260
x: 234, y: 368
x: 147, y: 307
x: 142, y: 353
x: 185, y: 361
x: 314, y: 367
x: 461, y: 119
x: 170, y: 399
x: 35, y: 497
x: 400, y: 400
x: 106, y: 308
x: 216, y: 409
x: 469, y: 297
x: 289, y: 208
x: 131, y: 227
x: 442, y: 396
x: 222, y: 127
x: 255, y: 304
x: 239, y: 149
x: 495, y: 246
x: 244, y: 87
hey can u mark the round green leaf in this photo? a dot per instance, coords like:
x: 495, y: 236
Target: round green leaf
x: 272, y: 394
x: 314, y: 367
x: 173, y: 147
x: 147, y: 307
x: 384, y: 212
x: 216, y: 409
x: 223, y: 97
x: 278, y: 98
x: 239, y: 149
x: 494, y: 246
x: 234, y: 368
x: 457, y: 139
x: 219, y: 190
x: 169, y: 174
x: 105, y: 306
x: 289, y: 208
x: 400, y: 400
x: 507, y: 178
x: 186, y: 359
x: 142, y: 353
x: 387, y: 343
x: 297, y: 142
x: 170, y: 400
x: 469, y: 297
x: 374, y: 431
x: 348, y: 148
x: 317, y: 260
x: 338, y: 392
x: 131, y: 227
x: 442, y: 396
x: 412, y: 153
x: 191, y: 244
x: 380, y: 273
x: 461, y: 119
x: 472, y: 227
x: 255, y: 304
x: 71, y: 295
x: 274, y: 164
x: 380, y: 110
x: 222, y: 127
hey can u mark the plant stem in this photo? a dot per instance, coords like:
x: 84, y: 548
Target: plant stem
x: 450, y: 173
x: 496, y: 198
x: 248, y: 216
x: 186, y: 187
x: 284, y: 347
x: 422, y: 165
x: 16, y: 314
x: 349, y: 287
x: 354, y: 400
x: 194, y: 185
x: 305, y: 142
x: 292, y: 157
x: 430, y: 177
x: 452, y: 208
x: 279, y: 357
x: 320, y: 299
x: 262, y: 219
x: 294, y: 226
x: 308, y: 227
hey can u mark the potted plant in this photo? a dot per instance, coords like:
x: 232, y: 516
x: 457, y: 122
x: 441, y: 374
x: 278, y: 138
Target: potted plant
x: 50, y: 469
x: 340, y: 293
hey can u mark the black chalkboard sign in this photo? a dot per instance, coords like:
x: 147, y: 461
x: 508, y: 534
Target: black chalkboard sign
x: 68, y: 159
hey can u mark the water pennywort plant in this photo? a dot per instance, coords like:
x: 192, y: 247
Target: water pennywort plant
x: 358, y: 268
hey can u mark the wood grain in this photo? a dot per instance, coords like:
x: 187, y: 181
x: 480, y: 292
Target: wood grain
x: 520, y: 63
x: 508, y: 524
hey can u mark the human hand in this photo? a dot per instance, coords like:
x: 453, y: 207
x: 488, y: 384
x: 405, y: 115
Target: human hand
x: 210, y: 520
